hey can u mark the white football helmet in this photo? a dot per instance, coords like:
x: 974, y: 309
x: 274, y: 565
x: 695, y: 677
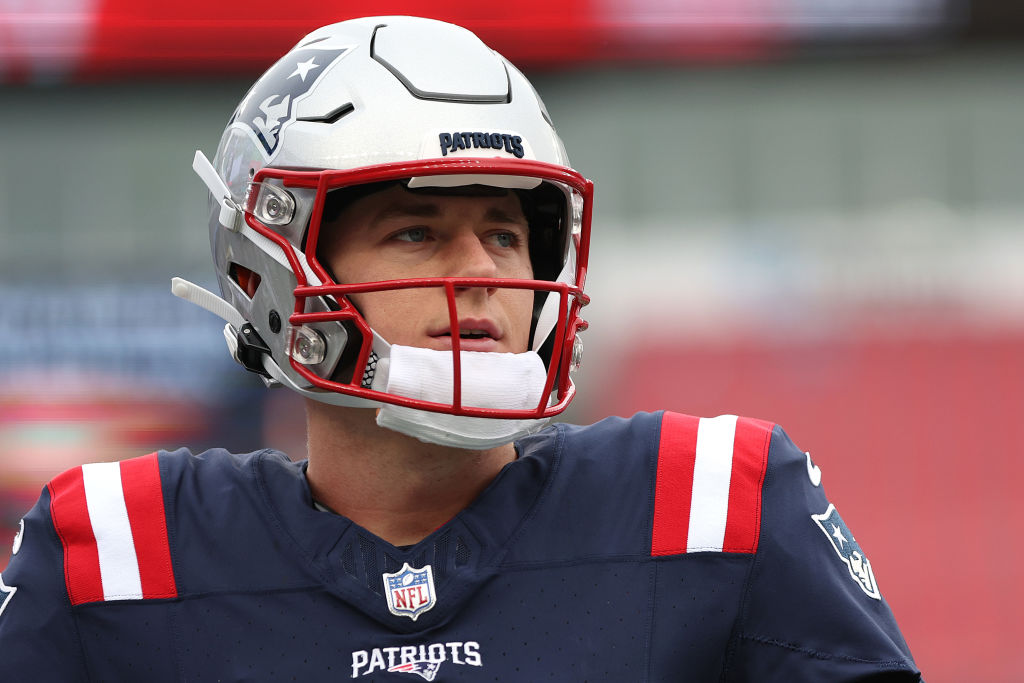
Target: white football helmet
x: 392, y: 100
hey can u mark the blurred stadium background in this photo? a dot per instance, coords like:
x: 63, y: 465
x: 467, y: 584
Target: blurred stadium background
x: 807, y: 211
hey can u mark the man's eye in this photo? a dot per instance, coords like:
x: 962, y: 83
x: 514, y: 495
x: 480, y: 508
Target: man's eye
x: 412, y: 235
x: 506, y: 239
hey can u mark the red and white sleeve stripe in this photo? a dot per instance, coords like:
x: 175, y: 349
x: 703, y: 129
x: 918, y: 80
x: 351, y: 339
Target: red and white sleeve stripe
x: 707, y: 495
x: 110, y: 519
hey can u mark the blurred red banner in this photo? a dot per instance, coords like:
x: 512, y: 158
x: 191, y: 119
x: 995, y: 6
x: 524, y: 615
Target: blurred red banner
x: 86, y: 40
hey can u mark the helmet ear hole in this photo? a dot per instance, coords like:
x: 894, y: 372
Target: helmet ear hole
x: 245, y: 278
x: 345, y: 370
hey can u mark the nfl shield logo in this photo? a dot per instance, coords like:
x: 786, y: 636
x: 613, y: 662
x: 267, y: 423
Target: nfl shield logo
x: 410, y: 592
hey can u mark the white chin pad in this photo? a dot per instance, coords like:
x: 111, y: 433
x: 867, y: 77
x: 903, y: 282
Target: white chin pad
x: 509, y: 381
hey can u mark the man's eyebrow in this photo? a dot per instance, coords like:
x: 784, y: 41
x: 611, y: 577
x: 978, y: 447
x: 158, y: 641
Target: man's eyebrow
x: 498, y: 215
x: 419, y: 210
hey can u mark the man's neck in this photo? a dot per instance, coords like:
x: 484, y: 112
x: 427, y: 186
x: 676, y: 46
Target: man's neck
x: 393, y: 485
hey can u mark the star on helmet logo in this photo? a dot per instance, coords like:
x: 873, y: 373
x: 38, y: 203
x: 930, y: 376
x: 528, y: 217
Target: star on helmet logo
x: 304, y: 68
x: 270, y: 106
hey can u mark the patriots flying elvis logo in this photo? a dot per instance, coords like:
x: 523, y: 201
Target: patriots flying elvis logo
x: 270, y: 105
x: 843, y: 542
x: 426, y: 669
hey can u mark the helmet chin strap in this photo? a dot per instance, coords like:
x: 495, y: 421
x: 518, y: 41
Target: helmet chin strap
x: 509, y: 381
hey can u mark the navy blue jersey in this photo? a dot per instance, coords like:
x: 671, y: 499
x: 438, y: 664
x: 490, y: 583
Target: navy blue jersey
x: 658, y: 548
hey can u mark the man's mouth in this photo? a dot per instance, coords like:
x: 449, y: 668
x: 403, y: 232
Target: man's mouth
x: 472, y: 330
x: 473, y: 334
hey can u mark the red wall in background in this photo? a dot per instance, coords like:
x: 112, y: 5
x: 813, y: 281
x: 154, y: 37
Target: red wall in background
x: 919, y: 435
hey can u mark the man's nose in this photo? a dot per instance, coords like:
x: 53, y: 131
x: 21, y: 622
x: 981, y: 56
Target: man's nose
x: 469, y: 257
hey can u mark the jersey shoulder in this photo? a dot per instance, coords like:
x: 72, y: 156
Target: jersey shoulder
x: 110, y: 518
x: 709, y: 482
x: 740, y: 486
x: 130, y: 530
x: 655, y: 484
x: 721, y: 482
x: 812, y: 598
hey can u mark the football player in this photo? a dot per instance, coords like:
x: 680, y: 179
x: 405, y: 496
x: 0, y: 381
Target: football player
x: 399, y: 237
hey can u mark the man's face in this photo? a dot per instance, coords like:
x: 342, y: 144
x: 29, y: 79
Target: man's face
x: 396, y: 234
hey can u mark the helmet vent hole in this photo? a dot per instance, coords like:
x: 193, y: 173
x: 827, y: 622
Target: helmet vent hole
x: 245, y: 278
x: 331, y: 116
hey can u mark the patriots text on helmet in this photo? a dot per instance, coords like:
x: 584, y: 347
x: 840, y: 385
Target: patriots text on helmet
x: 452, y: 142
